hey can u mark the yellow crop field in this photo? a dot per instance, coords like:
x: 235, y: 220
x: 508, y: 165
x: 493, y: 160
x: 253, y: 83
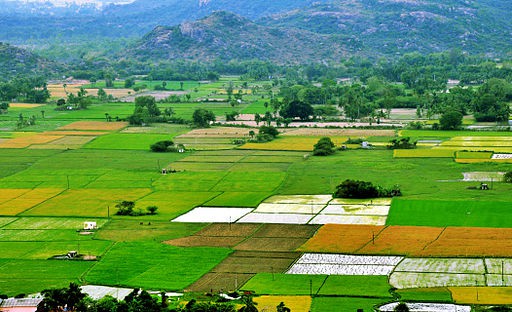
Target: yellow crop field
x: 80, y: 133
x: 67, y: 142
x: 291, y: 143
x: 24, y: 141
x: 8, y: 194
x: 27, y: 200
x: 86, y: 202
x: 294, y: 303
x: 486, y: 295
x: 95, y: 125
x: 24, y: 105
x: 58, y: 90
x: 430, y: 153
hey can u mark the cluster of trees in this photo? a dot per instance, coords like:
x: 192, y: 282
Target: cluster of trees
x: 25, y: 89
x: 127, y: 208
x: 325, y: 146
x: 363, y: 189
x: 146, y: 111
x: 166, y: 146
x: 72, y: 299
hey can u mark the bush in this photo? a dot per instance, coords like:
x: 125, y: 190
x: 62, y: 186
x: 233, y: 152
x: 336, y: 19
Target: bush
x: 507, y: 177
x: 161, y: 146
x: 324, y: 147
x: 362, y: 189
x: 125, y: 208
x: 354, y: 141
x: 403, y: 143
x: 356, y: 189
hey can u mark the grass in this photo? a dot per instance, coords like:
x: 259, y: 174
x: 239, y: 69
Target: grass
x: 284, y: 284
x: 31, y: 276
x: 439, y: 153
x: 473, y: 155
x: 238, y: 199
x: 130, y: 141
x: 450, y: 213
x: 123, y: 230
x: 36, y: 250
x: 37, y: 223
x: 371, y: 286
x: 96, y: 201
x: 154, y: 266
x: 425, y: 295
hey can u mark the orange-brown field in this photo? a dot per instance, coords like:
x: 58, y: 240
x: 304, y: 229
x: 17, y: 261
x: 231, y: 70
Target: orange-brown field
x: 402, y: 240
x: 94, y: 125
x: 341, y: 238
x: 486, y: 295
x: 411, y: 241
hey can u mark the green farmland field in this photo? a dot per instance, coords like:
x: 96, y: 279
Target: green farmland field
x: 450, y: 213
x: 154, y: 265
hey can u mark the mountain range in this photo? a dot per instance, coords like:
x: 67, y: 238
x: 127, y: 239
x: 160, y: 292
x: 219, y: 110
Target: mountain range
x: 282, y: 31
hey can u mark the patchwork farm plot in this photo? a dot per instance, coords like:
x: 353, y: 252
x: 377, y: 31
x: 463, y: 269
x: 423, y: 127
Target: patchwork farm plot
x: 298, y: 209
x: 244, y: 217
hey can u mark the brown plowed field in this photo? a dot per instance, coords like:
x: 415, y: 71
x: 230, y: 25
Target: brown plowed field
x: 215, y: 282
x: 271, y: 244
x: 241, y: 266
x: 286, y: 230
x: 411, y: 241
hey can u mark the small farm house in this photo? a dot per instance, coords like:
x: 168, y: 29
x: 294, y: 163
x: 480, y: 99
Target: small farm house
x: 90, y: 225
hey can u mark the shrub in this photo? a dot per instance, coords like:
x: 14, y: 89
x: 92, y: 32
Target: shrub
x: 363, y: 189
x: 161, y: 146
x: 324, y: 147
x: 125, y: 208
x: 356, y: 189
x: 402, y: 143
x: 507, y: 177
x: 354, y: 141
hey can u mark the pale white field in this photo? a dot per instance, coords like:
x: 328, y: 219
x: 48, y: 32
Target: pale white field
x: 213, y: 215
x: 371, y: 210
x: 284, y: 218
x: 299, y: 199
x: 431, y: 307
x: 442, y: 265
x: 347, y: 219
x: 289, y: 208
x: 403, y: 280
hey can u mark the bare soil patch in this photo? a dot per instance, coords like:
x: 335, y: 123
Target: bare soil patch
x: 271, y: 244
x: 226, y: 229
x: 286, y: 231
x: 206, y: 241
x: 219, y: 282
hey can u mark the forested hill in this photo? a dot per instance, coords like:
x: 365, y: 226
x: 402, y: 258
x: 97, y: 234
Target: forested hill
x: 15, y: 61
x: 364, y: 27
x: 227, y: 36
x: 396, y: 26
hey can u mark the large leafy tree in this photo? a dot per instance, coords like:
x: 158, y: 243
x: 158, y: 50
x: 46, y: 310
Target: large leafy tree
x: 202, y: 118
x: 298, y: 109
x: 451, y: 120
